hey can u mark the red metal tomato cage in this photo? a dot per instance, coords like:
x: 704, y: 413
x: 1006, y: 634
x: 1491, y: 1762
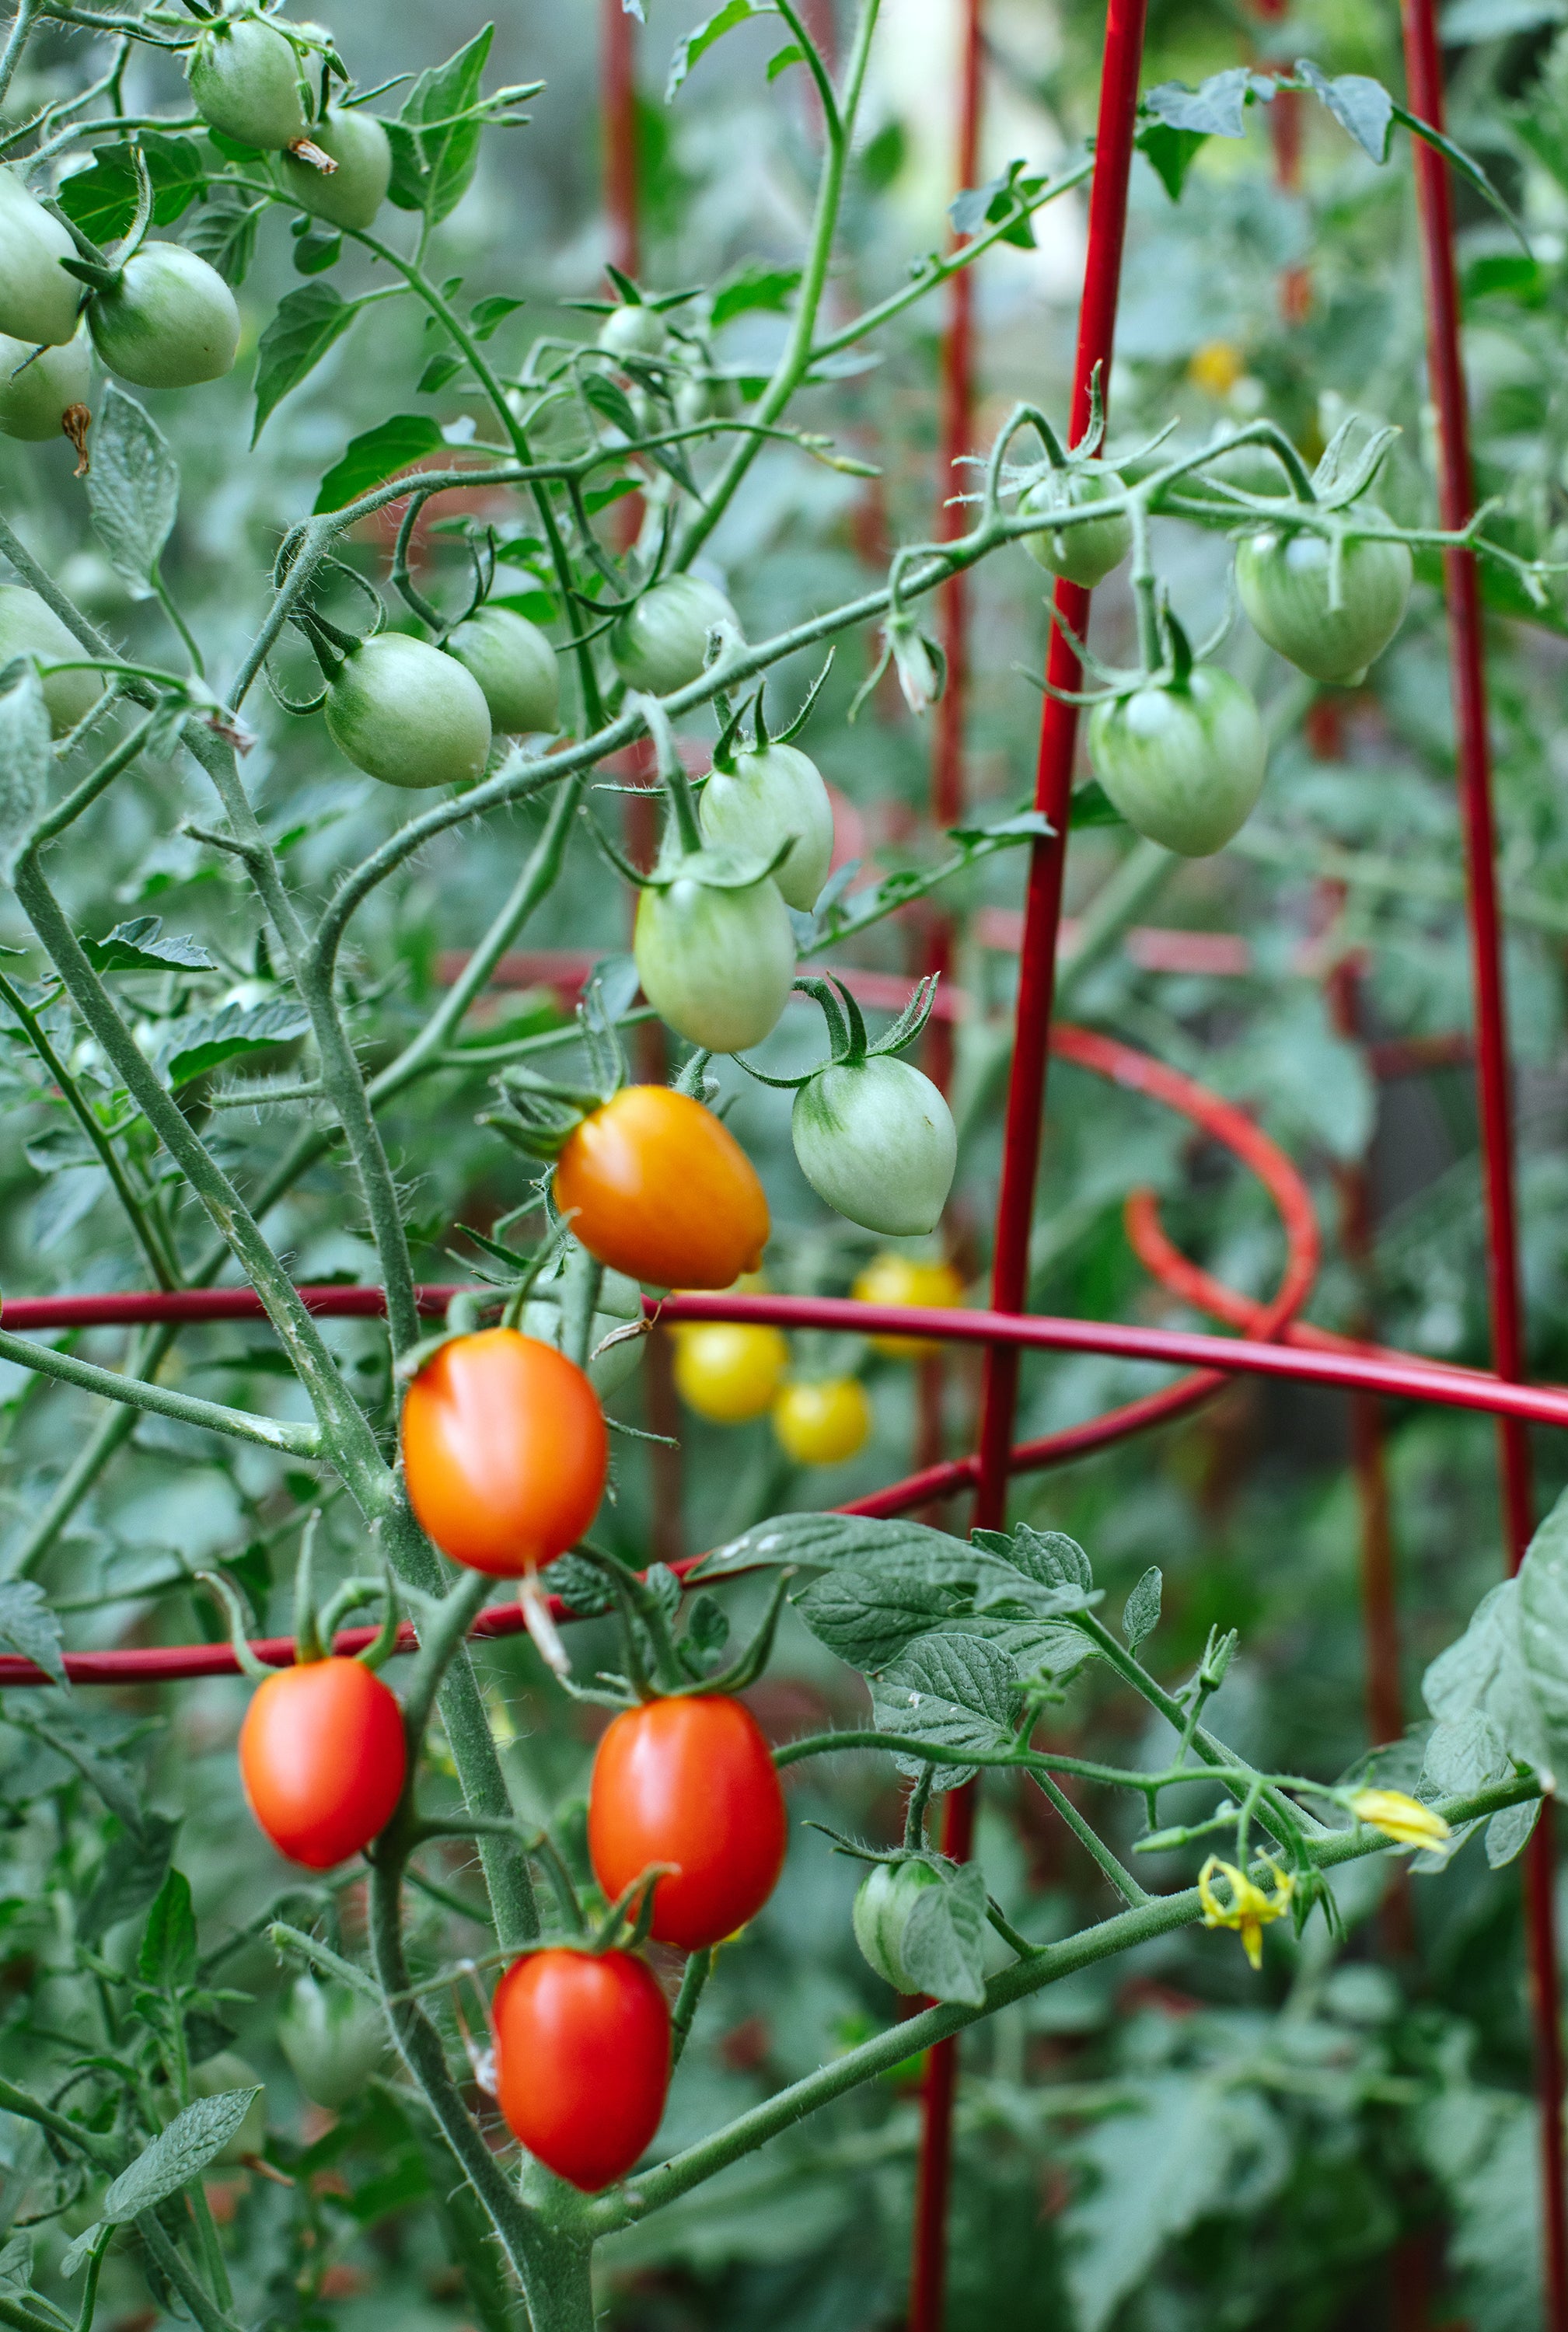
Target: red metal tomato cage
x: 1274, y: 1343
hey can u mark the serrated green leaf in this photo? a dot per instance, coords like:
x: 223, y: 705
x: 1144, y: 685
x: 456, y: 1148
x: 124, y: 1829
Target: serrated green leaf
x: 304, y: 326
x: 132, y: 489
x: 1141, y: 1616
x: 486, y: 316
x: 755, y: 288
x: 956, y: 1689
x: 139, y: 946
x: 29, y: 1626
x: 178, y: 2155
x: 167, y: 1957
x: 128, y: 1878
x: 376, y: 455
x: 223, y: 231
x: 101, y: 199
x: 942, y: 1946
x: 190, y: 1047
x: 431, y: 169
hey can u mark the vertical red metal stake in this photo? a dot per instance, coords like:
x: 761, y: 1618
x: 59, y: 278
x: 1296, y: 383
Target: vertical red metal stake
x: 1424, y: 74
x: 618, y: 115
x: 1122, y: 61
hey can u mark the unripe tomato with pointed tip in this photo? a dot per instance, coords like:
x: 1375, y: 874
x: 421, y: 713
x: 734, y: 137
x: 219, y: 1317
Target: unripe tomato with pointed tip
x: 1182, y: 761
x: 334, y: 2039
x: 765, y: 797
x: 30, y: 627
x: 907, y: 1279
x: 729, y: 1370
x: 823, y: 1422
x: 245, y: 79
x: 689, y: 1780
x: 661, y: 644
x: 717, y: 963
x: 37, y: 392
x: 633, y: 331
x: 323, y: 1759
x: 1085, y: 553
x: 38, y: 300
x: 169, y: 322
x: 504, y: 1451
x: 404, y: 712
x: 582, y: 2060
x: 351, y: 195
x: 653, y: 1184
x: 876, y: 1140
x: 1283, y: 581
x: 884, y: 1902
x: 515, y: 666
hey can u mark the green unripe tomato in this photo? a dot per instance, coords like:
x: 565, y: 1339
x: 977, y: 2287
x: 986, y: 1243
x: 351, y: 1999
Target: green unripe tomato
x: 245, y: 79
x: 661, y: 644
x: 333, y: 2039
x: 715, y: 964
x: 883, y: 1904
x: 1283, y: 580
x: 633, y: 332
x: 404, y: 712
x: 620, y: 1306
x: 169, y: 322
x: 351, y: 195
x: 878, y: 1142
x: 1079, y: 554
x: 33, y: 400
x: 29, y: 626
x: 212, y: 2079
x: 764, y: 797
x: 699, y: 399
x: 38, y: 300
x: 516, y: 668
x: 1184, y: 765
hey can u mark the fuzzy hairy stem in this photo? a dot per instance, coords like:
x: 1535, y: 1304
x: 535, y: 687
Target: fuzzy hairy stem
x: 138, y: 1393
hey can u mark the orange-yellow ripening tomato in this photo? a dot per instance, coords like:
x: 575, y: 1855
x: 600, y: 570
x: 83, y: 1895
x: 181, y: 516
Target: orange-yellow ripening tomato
x: 1216, y: 366
x: 505, y: 1451
x: 825, y: 1422
x: 893, y: 1278
x: 729, y: 1369
x: 655, y: 1186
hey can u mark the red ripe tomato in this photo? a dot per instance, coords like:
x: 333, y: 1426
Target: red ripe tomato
x: 505, y: 1451
x: 322, y: 1758
x: 688, y: 1780
x: 582, y: 2060
x: 655, y: 1186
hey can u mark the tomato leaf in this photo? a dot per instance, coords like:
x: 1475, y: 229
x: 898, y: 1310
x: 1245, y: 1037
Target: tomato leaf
x: 868, y: 1618
x: 978, y: 207
x: 137, y: 946
x: 376, y: 455
x: 486, y: 316
x: 101, y: 199
x: 958, y: 1690
x: 167, y: 1957
x: 431, y: 169
x: 204, y: 1041
x: 132, y: 489
x: 1216, y: 109
x: 29, y: 1626
x: 817, y: 1541
x: 1142, y: 1615
x: 756, y: 287
x: 1544, y: 1627
x: 305, y: 325
x: 223, y: 231
x: 1050, y: 1558
x: 1358, y: 104
x: 713, y: 28
x: 178, y: 2155
x: 128, y: 1878
x: 782, y: 59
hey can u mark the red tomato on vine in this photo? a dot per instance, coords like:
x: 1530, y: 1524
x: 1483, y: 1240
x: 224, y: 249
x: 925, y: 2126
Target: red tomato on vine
x: 505, y: 1451
x: 322, y: 1757
x: 582, y: 2060
x: 689, y: 1780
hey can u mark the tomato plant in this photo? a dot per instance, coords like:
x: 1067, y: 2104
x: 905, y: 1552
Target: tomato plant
x: 688, y: 1781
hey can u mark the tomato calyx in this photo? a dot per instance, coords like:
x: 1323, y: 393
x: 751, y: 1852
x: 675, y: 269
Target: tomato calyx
x: 660, y: 1665
x: 315, y: 1629
x: 850, y: 1047
x: 732, y: 722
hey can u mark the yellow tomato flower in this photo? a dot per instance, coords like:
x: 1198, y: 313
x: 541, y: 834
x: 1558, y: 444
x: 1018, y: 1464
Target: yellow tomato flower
x: 893, y: 1278
x: 1404, y: 1819
x: 1248, y: 1909
x: 1216, y: 366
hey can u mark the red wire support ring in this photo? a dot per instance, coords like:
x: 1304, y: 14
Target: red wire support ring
x: 1103, y: 1057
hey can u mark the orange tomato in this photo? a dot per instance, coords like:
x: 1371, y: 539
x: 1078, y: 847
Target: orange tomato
x: 689, y: 1780
x: 322, y: 1757
x: 655, y: 1186
x: 505, y: 1451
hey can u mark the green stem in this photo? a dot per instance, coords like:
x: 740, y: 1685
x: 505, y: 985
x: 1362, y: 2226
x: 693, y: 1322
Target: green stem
x: 214, y: 1417
x: 191, y: 2290
x: 1121, y: 1879
x: 102, y: 2151
x: 698, y: 1968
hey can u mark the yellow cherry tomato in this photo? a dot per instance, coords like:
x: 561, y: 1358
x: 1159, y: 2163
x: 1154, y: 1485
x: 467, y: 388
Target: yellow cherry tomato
x: 822, y: 1424
x: 892, y: 1278
x: 1216, y: 366
x: 729, y: 1369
